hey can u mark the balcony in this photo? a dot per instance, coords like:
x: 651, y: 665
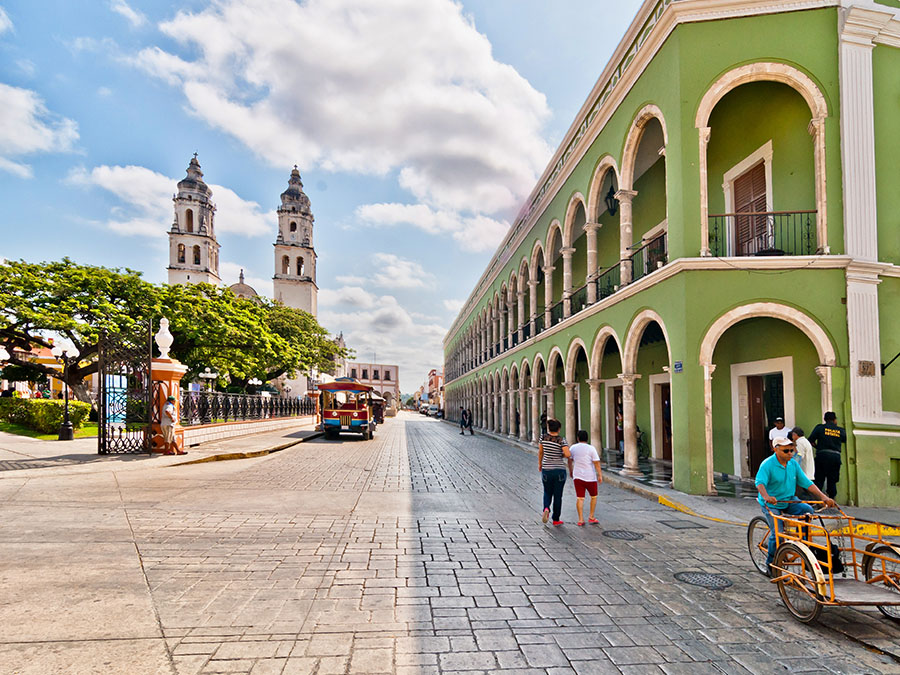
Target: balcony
x: 526, y: 331
x: 578, y: 299
x: 763, y: 233
x: 556, y: 313
x: 649, y: 257
x: 539, y: 323
x: 608, y: 281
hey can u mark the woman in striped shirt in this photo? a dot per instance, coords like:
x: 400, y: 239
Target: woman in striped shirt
x: 553, y: 451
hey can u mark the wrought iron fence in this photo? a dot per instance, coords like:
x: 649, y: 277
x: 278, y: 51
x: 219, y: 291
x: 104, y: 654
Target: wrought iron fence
x: 649, y: 257
x: 578, y: 300
x: 515, y: 339
x: 763, y: 233
x: 539, y: 323
x: 212, y: 407
x: 556, y: 313
x: 505, y: 342
x: 608, y: 281
x: 526, y: 330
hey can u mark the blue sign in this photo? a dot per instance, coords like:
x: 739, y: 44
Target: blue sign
x: 679, y: 367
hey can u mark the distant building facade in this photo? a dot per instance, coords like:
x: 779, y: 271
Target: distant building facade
x: 385, y: 379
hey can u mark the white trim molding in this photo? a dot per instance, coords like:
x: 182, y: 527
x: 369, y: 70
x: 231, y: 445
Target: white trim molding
x: 764, y: 155
x: 656, y: 429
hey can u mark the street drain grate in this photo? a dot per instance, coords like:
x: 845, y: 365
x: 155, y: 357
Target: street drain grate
x: 683, y: 525
x: 705, y: 579
x: 624, y: 535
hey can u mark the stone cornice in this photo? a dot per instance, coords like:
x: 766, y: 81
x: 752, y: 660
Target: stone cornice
x: 648, y: 31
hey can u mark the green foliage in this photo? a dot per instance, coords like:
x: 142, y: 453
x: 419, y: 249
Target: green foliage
x: 25, y: 373
x: 212, y: 328
x: 42, y: 415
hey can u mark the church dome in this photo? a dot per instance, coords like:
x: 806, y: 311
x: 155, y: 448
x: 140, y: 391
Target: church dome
x: 194, y: 179
x: 294, y: 195
x: 242, y: 290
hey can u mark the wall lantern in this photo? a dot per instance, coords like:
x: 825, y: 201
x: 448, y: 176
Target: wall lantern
x: 611, y: 202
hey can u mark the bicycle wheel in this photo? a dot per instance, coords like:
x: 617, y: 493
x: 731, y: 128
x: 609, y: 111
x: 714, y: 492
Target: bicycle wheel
x: 884, y: 569
x: 798, y: 585
x: 757, y: 542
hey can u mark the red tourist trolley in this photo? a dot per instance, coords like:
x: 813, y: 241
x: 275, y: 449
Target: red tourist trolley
x: 347, y: 406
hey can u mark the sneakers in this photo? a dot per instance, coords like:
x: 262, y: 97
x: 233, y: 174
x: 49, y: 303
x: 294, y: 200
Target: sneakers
x: 546, y: 516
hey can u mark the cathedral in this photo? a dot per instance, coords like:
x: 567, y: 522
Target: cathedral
x: 194, y: 250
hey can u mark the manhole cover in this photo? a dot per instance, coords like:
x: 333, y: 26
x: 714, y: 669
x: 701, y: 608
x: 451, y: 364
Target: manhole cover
x: 704, y: 579
x: 625, y: 535
x: 683, y: 525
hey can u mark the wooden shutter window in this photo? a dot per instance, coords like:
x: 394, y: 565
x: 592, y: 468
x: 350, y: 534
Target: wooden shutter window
x: 750, y: 232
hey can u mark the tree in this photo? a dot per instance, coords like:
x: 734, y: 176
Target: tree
x: 211, y: 327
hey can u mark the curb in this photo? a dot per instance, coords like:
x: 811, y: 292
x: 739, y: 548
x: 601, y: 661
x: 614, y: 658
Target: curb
x: 224, y: 457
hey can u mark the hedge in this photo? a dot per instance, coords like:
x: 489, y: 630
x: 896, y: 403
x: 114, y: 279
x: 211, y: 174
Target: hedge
x: 42, y: 415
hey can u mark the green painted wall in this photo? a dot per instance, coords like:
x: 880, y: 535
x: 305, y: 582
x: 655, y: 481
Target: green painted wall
x: 889, y: 3
x: 649, y: 206
x: 886, y: 82
x: 889, y: 327
x: 748, y: 117
x: 755, y: 340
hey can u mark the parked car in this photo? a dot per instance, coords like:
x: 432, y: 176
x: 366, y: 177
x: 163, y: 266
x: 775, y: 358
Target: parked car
x: 433, y: 410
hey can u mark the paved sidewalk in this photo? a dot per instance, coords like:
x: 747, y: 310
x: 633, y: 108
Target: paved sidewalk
x: 23, y: 456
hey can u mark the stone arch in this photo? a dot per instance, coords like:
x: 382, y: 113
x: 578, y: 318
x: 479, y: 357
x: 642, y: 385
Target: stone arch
x: 595, y: 204
x: 568, y: 237
x: 536, y: 369
x: 816, y: 334
x: 599, y: 345
x: 554, y: 230
x: 633, y: 338
x: 633, y: 141
x: 573, y: 355
x: 555, y: 353
x: 766, y: 71
x: 536, y: 250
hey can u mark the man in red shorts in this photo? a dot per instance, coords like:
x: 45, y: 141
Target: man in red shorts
x: 584, y: 468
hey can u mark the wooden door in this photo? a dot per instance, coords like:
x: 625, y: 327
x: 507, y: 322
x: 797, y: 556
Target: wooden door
x: 751, y: 233
x: 665, y: 397
x: 758, y: 443
x: 618, y: 417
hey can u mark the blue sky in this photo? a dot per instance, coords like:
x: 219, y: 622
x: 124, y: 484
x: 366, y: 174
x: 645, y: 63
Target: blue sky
x: 419, y: 126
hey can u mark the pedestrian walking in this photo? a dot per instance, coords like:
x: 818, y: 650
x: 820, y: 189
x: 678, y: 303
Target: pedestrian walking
x: 518, y: 419
x: 827, y: 439
x: 778, y: 431
x: 805, y: 452
x: 462, y: 421
x: 584, y: 468
x: 543, y: 424
x: 167, y: 426
x: 553, y: 451
x: 470, y: 418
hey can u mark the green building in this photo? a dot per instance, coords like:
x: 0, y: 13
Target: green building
x: 715, y: 243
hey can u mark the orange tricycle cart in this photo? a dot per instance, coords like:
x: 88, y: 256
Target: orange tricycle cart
x: 836, y: 560
x: 347, y: 407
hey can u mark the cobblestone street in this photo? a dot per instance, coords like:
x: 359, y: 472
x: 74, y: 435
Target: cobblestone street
x: 419, y: 552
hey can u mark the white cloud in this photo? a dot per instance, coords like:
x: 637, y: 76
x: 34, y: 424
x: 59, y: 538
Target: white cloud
x: 5, y: 22
x: 27, y: 127
x: 133, y: 17
x: 473, y: 233
x: 104, y: 92
x: 350, y: 85
x: 146, y: 202
x: 27, y: 66
x: 397, y: 272
x: 454, y: 306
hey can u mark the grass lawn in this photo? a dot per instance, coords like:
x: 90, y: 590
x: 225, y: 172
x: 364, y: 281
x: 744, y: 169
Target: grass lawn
x: 87, y: 430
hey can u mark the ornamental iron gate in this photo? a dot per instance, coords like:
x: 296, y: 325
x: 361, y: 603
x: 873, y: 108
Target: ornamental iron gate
x: 125, y: 406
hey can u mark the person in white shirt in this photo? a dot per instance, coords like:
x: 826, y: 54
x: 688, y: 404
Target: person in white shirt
x: 778, y: 431
x: 805, y: 453
x: 167, y: 425
x: 584, y: 468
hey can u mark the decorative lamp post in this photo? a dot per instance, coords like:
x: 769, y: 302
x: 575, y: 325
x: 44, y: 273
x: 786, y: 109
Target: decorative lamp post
x: 254, y: 382
x: 209, y: 376
x: 4, y: 355
x: 287, y: 390
x: 67, y: 355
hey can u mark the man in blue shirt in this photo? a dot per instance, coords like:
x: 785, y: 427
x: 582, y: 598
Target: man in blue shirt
x: 777, y: 480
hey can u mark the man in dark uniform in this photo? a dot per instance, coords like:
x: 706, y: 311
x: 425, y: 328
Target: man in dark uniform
x: 827, y: 439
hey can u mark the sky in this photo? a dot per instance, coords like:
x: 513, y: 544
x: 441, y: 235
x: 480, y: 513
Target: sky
x: 419, y: 128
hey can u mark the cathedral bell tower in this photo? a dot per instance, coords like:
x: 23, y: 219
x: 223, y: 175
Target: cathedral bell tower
x: 295, y: 258
x: 193, y: 249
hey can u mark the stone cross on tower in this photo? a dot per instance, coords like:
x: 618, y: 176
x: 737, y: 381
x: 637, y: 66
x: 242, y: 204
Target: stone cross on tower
x: 295, y: 258
x: 193, y: 249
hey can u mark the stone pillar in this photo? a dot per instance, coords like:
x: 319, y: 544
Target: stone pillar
x: 532, y: 300
x: 548, y: 293
x: 567, y: 280
x: 512, y: 432
x: 704, y: 193
x: 497, y: 413
x: 167, y: 373
x: 571, y: 422
x: 550, y: 401
x: 625, y: 198
x: 595, y: 430
x: 520, y: 296
x: 824, y: 375
x: 535, y: 414
x: 504, y: 411
x: 591, y: 233
x: 708, y: 369
x: 629, y: 424
x: 523, y: 415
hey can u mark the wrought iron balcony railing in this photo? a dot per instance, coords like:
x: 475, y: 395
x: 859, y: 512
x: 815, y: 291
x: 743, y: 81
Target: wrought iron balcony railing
x: 526, y: 331
x: 556, y: 313
x: 763, y: 233
x: 539, y: 323
x: 649, y: 257
x: 578, y: 299
x: 608, y: 281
